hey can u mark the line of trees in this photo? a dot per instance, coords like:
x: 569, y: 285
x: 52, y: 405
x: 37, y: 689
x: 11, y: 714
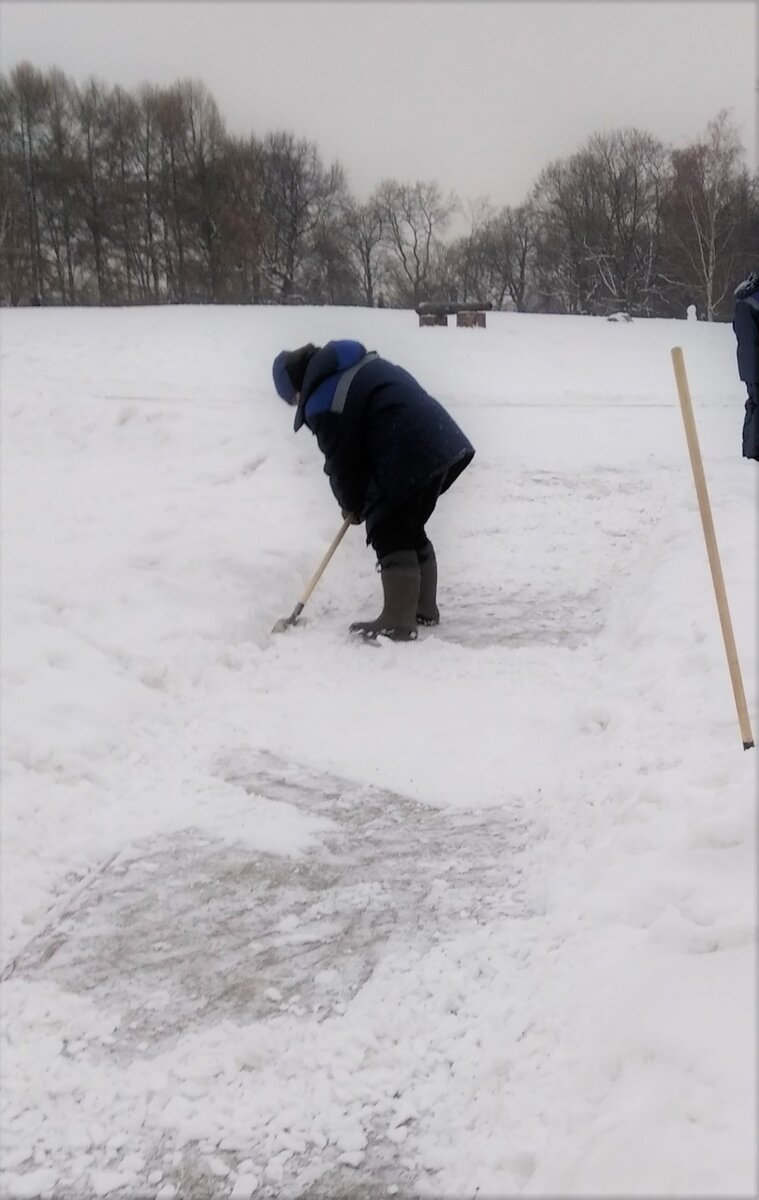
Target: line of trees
x: 108, y: 197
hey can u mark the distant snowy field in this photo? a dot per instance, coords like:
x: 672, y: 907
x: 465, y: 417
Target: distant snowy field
x: 285, y: 915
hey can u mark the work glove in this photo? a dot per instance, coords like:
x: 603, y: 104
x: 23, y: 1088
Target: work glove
x: 349, y: 516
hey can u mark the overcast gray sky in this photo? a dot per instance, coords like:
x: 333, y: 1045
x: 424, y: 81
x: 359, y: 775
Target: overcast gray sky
x: 478, y: 96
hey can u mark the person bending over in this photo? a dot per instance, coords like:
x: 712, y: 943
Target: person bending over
x: 390, y: 451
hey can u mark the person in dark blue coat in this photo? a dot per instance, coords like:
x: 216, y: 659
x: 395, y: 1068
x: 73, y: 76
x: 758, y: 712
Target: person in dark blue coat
x: 390, y: 451
x: 746, y: 329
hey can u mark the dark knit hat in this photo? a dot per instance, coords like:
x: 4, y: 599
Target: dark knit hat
x: 288, y: 370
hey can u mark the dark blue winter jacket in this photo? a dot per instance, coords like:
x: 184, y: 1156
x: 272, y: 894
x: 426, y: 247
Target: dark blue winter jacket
x: 746, y: 328
x: 383, y: 437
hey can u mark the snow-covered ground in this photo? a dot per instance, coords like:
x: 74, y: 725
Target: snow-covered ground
x: 288, y: 916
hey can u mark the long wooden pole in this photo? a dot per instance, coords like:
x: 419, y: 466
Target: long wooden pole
x: 286, y: 622
x: 697, y: 465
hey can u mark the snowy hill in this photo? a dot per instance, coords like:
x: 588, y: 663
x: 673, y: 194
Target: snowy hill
x: 288, y: 916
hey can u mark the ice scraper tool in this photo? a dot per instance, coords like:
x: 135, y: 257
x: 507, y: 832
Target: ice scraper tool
x: 285, y: 622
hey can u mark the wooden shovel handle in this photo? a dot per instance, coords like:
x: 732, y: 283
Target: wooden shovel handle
x: 324, y: 562
x: 710, y: 537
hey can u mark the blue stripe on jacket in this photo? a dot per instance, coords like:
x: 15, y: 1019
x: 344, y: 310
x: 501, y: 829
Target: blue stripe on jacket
x: 345, y: 354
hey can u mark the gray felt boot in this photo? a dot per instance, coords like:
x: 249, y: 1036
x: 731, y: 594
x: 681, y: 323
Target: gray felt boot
x: 400, y: 586
x: 427, y: 612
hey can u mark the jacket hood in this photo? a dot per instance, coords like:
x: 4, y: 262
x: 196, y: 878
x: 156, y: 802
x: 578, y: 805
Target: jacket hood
x: 750, y: 284
x: 333, y: 358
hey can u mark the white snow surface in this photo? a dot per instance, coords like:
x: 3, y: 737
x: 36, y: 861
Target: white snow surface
x: 579, y: 1022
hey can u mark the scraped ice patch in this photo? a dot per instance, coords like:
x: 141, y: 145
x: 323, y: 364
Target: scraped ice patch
x: 186, y: 931
x: 180, y: 942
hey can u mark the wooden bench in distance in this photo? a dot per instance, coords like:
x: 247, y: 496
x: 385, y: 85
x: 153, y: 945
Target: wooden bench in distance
x: 468, y: 316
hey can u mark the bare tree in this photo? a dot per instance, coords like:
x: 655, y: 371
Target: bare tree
x: 62, y: 177
x: 565, y: 205
x: 147, y: 171
x: 92, y: 113
x: 329, y: 273
x: 703, y: 217
x: 462, y: 269
x: 242, y: 220
x: 172, y: 198
x: 364, y: 231
x: 15, y: 244
x: 508, y: 244
x: 599, y: 224
x: 415, y: 216
x: 29, y: 96
x: 204, y: 146
x: 299, y: 193
x: 123, y: 121
x: 631, y: 171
